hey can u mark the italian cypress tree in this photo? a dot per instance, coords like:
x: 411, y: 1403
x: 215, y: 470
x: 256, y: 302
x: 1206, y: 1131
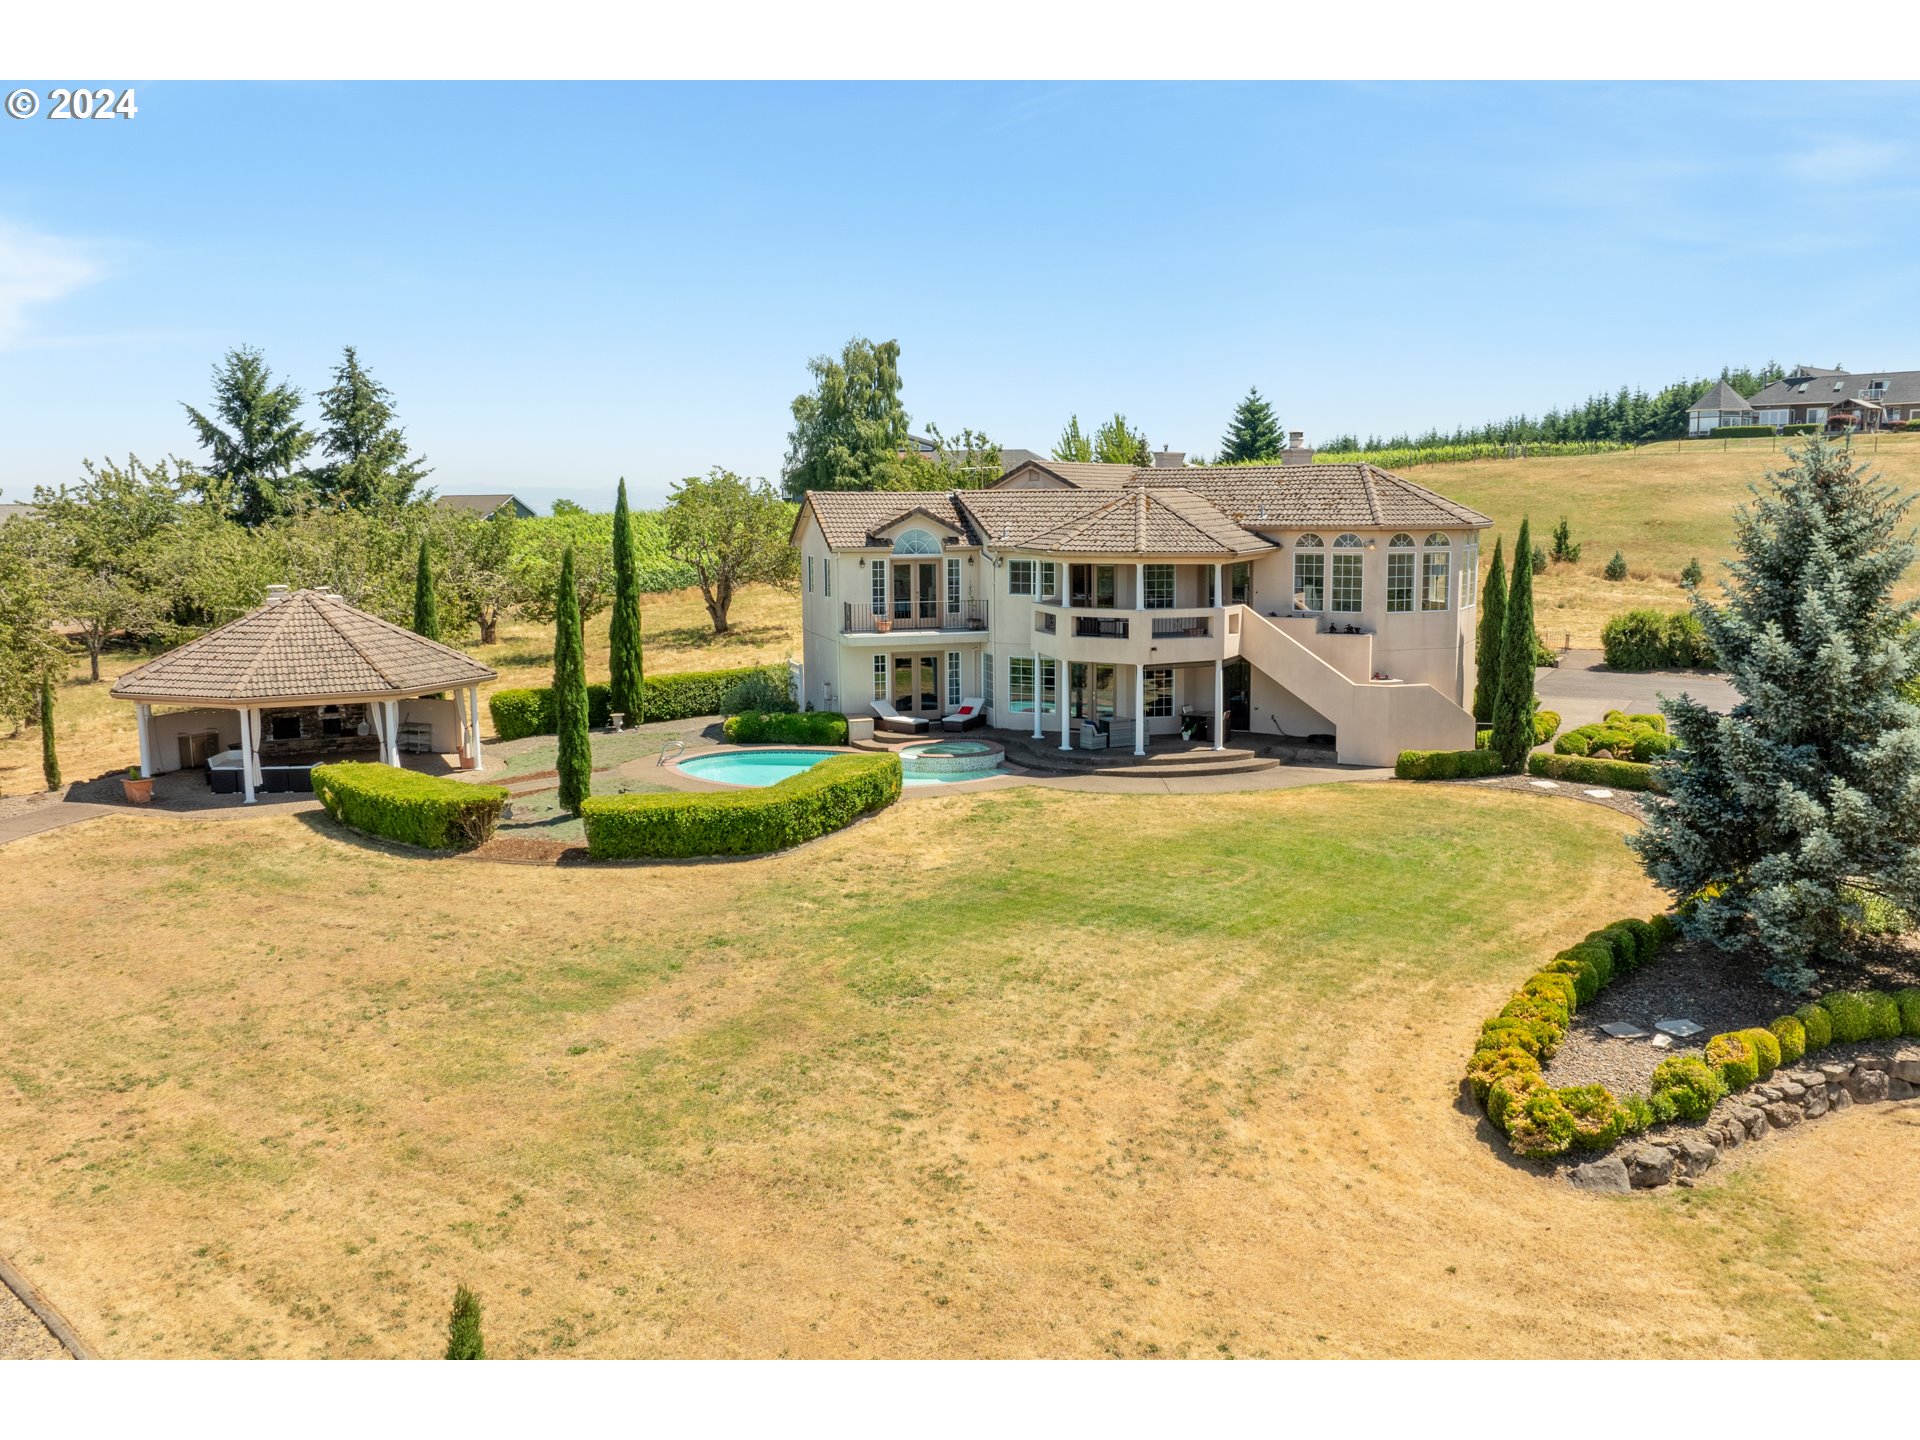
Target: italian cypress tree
x: 49, y: 755
x: 426, y: 607
x: 628, y: 693
x: 1513, y: 701
x: 1486, y: 644
x: 463, y: 1327
x: 1783, y: 815
x: 1252, y: 434
x: 575, y: 762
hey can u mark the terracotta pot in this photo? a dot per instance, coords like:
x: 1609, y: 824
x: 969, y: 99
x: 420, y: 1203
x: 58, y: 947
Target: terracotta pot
x: 883, y: 627
x: 139, y: 792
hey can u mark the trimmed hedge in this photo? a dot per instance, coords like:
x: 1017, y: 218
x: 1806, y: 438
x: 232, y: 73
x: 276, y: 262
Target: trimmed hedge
x: 810, y: 727
x: 1740, y: 432
x: 1652, y: 640
x: 1546, y: 724
x: 833, y: 794
x: 1616, y: 774
x: 1445, y: 764
x: 425, y: 810
x: 1801, y: 429
x: 529, y: 711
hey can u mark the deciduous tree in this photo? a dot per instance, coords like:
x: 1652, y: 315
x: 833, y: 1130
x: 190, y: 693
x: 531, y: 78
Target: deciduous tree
x: 730, y: 532
x: 1074, y: 443
x: 1115, y: 444
x: 851, y: 427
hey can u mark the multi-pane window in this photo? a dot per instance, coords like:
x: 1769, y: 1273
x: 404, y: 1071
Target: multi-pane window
x: 809, y: 574
x: 1049, y: 578
x: 1158, y: 583
x: 1020, y: 577
x: 1049, y: 688
x: 1469, y: 576
x: 953, y: 586
x: 1020, y: 683
x: 879, y: 587
x: 1433, y: 573
x: 1309, y: 573
x: 1158, y: 684
x: 879, y: 677
x: 953, y: 679
x: 986, y: 681
x: 1348, y: 564
x: 1400, y: 575
x: 1240, y: 582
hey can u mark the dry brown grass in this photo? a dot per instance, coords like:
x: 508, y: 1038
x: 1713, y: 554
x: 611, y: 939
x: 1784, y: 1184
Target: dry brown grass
x: 1024, y: 1073
x: 96, y: 732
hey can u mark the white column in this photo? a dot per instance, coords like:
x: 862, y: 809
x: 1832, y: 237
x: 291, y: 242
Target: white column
x: 393, y: 733
x: 1139, y: 584
x: 1220, y: 586
x: 246, y: 753
x: 143, y: 721
x: 1219, y: 704
x: 1060, y: 669
x: 1139, y: 709
x: 1036, y: 694
x: 477, y: 765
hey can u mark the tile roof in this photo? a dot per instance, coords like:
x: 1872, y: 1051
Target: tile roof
x: 308, y: 644
x: 1080, y: 474
x: 482, y: 505
x: 1132, y: 521
x: 1902, y: 388
x: 1320, y: 495
x: 1721, y: 397
x: 850, y: 518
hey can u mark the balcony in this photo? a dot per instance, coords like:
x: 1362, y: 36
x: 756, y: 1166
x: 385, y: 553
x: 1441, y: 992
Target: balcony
x: 1148, y: 637
x: 907, y: 616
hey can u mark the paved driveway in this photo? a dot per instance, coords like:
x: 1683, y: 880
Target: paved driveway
x: 1583, y: 689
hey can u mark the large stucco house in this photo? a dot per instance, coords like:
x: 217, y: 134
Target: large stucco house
x: 1100, y: 604
x: 1832, y: 399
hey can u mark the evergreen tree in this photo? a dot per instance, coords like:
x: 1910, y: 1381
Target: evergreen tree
x: 1486, y: 645
x: 255, y: 437
x: 1616, y: 567
x: 1539, y: 560
x: 1513, y: 701
x: 49, y: 755
x: 1784, y: 815
x: 575, y: 762
x: 426, y: 607
x: 1564, y: 549
x: 1693, y: 574
x: 628, y: 693
x: 1252, y: 434
x: 1074, y: 443
x: 463, y: 1327
x: 368, y: 451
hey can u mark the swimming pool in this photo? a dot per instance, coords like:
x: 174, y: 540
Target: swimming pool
x: 770, y: 767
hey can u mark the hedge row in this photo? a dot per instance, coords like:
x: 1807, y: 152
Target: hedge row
x: 1740, y: 432
x: 425, y: 810
x: 1616, y: 774
x: 1651, y: 640
x: 523, y: 712
x: 1546, y: 724
x: 1446, y: 764
x: 1507, y: 1072
x: 833, y: 794
x: 1622, y: 737
x: 811, y: 727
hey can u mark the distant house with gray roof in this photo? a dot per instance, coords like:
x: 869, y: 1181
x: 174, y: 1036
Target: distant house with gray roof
x: 486, y: 506
x: 1835, y: 400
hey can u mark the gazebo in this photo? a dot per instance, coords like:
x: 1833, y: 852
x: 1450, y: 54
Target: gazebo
x: 304, y: 678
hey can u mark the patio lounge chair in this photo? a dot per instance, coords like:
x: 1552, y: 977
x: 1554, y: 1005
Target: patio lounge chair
x: 889, y: 719
x: 972, y: 712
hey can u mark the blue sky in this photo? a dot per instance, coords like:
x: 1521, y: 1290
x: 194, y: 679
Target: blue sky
x: 563, y: 284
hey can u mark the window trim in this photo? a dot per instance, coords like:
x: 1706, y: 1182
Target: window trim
x: 882, y: 676
x: 1015, y: 569
x: 1157, y: 678
x: 1404, y: 586
x: 1016, y: 664
x: 1149, y: 576
x: 953, y: 680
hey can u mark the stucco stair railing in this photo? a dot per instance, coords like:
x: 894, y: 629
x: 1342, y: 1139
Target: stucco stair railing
x: 1372, y: 723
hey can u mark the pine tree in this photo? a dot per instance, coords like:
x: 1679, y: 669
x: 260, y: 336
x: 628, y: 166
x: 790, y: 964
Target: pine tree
x: 1693, y: 574
x: 463, y: 1327
x: 1564, y: 549
x: 1513, y: 702
x: 575, y: 760
x: 426, y: 606
x: 1486, y: 645
x: 628, y: 693
x: 1784, y: 815
x: 49, y: 755
x: 1252, y: 434
x: 1616, y: 567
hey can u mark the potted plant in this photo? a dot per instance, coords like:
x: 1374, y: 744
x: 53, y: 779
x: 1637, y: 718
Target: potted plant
x: 138, y: 787
x: 883, y: 624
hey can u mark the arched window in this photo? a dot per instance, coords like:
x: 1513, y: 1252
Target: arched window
x: 1400, y: 575
x: 1307, y: 542
x: 1347, y: 542
x: 1309, y: 573
x: 1437, y: 539
x: 1400, y: 542
x: 915, y: 542
x: 1348, y: 566
x: 1434, y: 562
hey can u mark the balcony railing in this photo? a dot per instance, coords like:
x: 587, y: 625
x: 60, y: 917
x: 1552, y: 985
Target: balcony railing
x: 1181, y: 627
x: 907, y: 615
x: 1100, y: 627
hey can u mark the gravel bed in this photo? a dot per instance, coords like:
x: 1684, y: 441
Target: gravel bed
x: 1693, y: 982
x: 1627, y: 802
x: 22, y: 1336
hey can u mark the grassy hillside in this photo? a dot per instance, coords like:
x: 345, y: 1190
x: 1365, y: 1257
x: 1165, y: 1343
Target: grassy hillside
x: 1659, y: 506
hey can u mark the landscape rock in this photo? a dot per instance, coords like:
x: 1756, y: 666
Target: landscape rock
x: 1754, y: 1119
x: 1789, y: 1089
x: 1648, y: 1166
x: 1868, y: 1086
x: 1783, y: 1115
x: 1840, y: 1099
x: 1697, y: 1156
x: 1898, y: 1089
x: 1835, y: 1072
x: 1604, y: 1176
x: 1872, y: 1062
x: 1817, y: 1103
x: 1906, y: 1066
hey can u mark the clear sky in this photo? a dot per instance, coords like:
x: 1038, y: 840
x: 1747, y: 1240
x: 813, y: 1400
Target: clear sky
x: 564, y: 284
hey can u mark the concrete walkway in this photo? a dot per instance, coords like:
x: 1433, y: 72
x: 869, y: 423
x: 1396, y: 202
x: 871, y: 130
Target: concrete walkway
x: 1582, y: 689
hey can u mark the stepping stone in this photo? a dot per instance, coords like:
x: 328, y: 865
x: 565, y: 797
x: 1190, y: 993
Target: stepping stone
x: 1624, y: 1030
x: 1680, y: 1028
x: 1598, y: 794
x: 1661, y: 1042
x: 1544, y: 784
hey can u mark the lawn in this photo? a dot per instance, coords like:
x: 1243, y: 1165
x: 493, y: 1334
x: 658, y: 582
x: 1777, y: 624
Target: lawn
x: 96, y: 732
x: 1021, y: 1073
x: 1659, y: 506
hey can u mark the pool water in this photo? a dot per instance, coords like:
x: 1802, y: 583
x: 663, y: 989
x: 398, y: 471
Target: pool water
x: 770, y: 767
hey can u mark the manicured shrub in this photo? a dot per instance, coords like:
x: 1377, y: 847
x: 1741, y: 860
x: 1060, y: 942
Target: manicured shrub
x: 1733, y: 1056
x: 1639, y: 1112
x: 832, y: 794
x: 1648, y: 746
x: 1883, y: 1015
x: 1685, y: 1087
x: 1445, y: 764
x: 1740, y: 432
x: 1805, y: 429
x: 1599, y: 1118
x: 1852, y: 1020
x: 1490, y: 1066
x: 1687, y: 645
x: 1624, y: 944
x: 811, y: 727
x: 1541, y: 1126
x: 1586, y: 975
x: 1653, y: 640
x: 1532, y: 1036
x: 1646, y: 939
x: 425, y: 810
x: 1817, y: 1024
x: 518, y: 713
x: 1507, y: 1094
x: 1766, y: 1050
x: 1665, y: 929
x: 758, y: 690
x: 1909, y: 1002
x: 1791, y: 1036
x: 1546, y: 724
x: 1615, y: 774
x: 1574, y: 742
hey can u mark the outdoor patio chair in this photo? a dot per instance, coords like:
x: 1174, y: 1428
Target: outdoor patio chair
x: 972, y: 712
x: 889, y: 719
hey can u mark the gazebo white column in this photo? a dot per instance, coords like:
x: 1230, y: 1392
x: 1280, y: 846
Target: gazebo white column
x: 143, y: 722
x: 1139, y: 709
x: 1219, y: 704
x: 393, y: 732
x: 246, y: 753
x: 473, y: 711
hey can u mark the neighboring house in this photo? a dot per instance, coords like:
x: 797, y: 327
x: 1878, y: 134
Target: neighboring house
x: 1095, y: 603
x: 486, y: 506
x: 1832, y: 399
x: 11, y: 511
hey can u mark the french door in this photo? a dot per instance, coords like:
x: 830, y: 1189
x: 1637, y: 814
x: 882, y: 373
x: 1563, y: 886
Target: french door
x: 916, y: 590
x: 916, y: 684
x: 1091, y: 585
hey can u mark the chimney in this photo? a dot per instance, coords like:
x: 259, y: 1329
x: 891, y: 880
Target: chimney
x: 1169, y: 459
x: 275, y: 591
x: 1296, y: 452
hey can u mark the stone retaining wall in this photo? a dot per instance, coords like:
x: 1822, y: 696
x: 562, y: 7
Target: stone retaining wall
x: 1784, y: 1100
